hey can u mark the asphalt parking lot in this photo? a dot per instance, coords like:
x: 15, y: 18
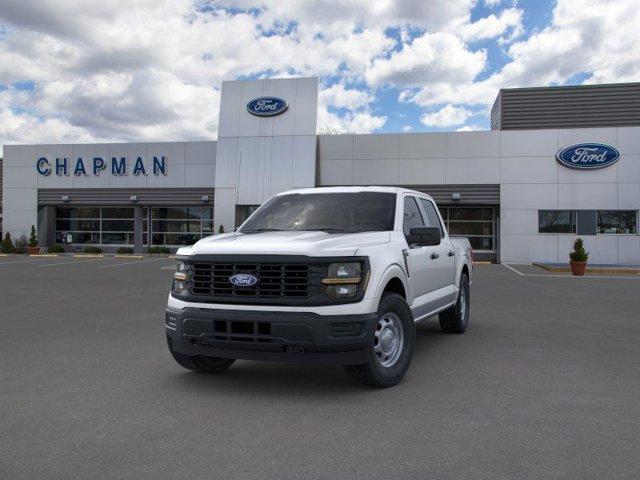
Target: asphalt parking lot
x: 544, y: 384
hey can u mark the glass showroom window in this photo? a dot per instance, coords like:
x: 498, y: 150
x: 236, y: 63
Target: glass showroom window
x: 95, y: 225
x: 476, y: 223
x: 180, y: 225
x: 618, y: 221
x: 556, y: 221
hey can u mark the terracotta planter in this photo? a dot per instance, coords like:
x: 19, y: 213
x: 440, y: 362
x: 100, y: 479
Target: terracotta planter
x: 33, y: 250
x: 578, y: 268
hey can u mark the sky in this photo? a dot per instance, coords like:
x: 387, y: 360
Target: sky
x: 75, y: 71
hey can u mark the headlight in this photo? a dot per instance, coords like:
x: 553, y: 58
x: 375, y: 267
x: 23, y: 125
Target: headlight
x: 342, y: 291
x: 345, y: 270
x: 181, y: 281
x: 178, y: 287
x: 343, y: 280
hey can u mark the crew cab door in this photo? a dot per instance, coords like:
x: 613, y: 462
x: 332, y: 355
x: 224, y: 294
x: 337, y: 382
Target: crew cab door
x: 443, y: 255
x: 422, y: 276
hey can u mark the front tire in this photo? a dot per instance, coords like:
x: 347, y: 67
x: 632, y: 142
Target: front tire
x: 391, y: 345
x: 199, y: 363
x: 456, y: 318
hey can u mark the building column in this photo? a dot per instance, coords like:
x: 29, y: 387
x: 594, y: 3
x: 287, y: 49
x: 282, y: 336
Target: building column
x: 46, y: 228
x: 138, y: 215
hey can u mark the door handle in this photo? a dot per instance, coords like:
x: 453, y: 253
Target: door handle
x: 451, y: 253
x: 434, y: 255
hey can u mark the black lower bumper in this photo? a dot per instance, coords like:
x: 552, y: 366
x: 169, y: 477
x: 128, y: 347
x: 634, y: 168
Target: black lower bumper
x: 272, y: 336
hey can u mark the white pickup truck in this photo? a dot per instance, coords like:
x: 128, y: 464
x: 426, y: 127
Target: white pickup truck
x: 333, y: 275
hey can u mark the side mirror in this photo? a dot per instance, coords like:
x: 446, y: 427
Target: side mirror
x: 424, y: 236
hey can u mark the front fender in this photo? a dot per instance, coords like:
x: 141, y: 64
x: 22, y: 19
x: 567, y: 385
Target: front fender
x: 392, y: 271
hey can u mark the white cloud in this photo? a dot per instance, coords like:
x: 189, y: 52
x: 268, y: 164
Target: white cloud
x: 509, y: 22
x: 407, y: 128
x: 469, y: 128
x: 351, y: 122
x: 432, y: 57
x: 340, y: 97
x: 596, y: 38
x: 447, y: 116
x: 151, y: 70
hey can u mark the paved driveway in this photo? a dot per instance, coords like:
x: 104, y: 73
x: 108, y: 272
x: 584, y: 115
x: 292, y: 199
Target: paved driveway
x: 545, y: 384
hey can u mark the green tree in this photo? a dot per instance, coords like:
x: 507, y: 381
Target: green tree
x: 579, y: 254
x: 33, y: 238
x: 7, y: 244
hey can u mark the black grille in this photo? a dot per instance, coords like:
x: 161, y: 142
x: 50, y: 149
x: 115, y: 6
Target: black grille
x: 276, y: 280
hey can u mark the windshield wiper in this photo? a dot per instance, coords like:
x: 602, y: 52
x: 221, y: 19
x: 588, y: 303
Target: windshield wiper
x: 337, y: 230
x: 260, y: 230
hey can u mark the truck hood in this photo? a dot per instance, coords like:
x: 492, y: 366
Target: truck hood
x: 312, y: 244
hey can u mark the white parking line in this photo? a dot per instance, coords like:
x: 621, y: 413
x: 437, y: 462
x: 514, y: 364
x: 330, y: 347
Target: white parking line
x: 130, y: 263
x: 548, y: 275
x: 513, y: 270
x: 75, y: 261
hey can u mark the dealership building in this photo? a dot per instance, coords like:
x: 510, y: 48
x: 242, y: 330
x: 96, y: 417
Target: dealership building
x: 559, y: 162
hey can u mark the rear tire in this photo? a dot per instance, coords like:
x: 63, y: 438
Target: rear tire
x: 391, y: 345
x: 456, y: 318
x: 200, y: 363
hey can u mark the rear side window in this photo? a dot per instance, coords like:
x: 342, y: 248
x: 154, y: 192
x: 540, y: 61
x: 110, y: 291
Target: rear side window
x: 412, y: 216
x: 432, y: 215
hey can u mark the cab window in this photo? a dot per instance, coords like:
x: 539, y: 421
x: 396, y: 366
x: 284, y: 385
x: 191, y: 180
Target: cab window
x: 412, y: 217
x: 432, y: 215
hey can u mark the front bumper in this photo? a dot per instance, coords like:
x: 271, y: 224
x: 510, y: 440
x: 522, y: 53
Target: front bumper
x: 302, y: 337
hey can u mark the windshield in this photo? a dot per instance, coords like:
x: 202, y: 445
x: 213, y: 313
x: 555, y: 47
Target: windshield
x: 330, y: 212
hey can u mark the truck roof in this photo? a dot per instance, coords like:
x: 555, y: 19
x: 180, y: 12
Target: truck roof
x: 352, y: 189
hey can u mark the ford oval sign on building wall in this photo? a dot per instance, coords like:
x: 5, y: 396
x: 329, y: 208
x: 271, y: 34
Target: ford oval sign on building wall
x: 588, y: 156
x: 267, y: 106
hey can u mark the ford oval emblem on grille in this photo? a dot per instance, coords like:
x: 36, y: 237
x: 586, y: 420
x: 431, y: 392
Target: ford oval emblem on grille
x: 243, y: 280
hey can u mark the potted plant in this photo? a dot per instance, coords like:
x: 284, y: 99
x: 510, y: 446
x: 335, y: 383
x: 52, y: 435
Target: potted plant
x: 578, y: 258
x: 33, y: 249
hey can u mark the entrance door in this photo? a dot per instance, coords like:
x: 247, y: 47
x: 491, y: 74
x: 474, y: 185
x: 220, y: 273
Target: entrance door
x: 478, y: 224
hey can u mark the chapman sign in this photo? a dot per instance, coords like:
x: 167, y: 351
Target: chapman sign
x: 118, y: 166
x: 267, y: 106
x: 588, y: 156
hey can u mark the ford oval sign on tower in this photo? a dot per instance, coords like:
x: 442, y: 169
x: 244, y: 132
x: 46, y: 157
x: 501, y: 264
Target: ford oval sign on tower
x: 267, y: 106
x: 588, y: 156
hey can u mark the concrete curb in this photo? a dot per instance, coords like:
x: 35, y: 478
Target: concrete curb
x: 88, y: 255
x: 589, y: 269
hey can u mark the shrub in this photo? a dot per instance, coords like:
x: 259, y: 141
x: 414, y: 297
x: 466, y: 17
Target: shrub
x: 579, y: 254
x: 158, y: 249
x: 57, y: 248
x: 125, y: 250
x: 221, y: 229
x: 91, y: 249
x: 20, y: 245
x: 33, y: 238
x: 7, y: 244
